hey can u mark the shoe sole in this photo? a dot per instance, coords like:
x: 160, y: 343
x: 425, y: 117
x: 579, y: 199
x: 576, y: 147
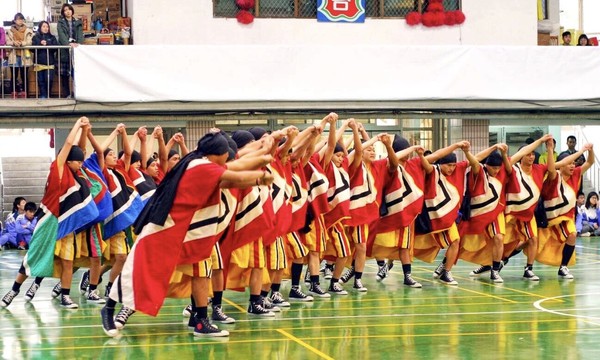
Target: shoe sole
x: 453, y: 283
x: 222, y: 333
x: 320, y: 295
x: 339, y: 293
x: 120, y: 326
x: 306, y: 299
x: 285, y: 304
x: 269, y: 314
x: 186, y: 314
x: 363, y: 289
x: 228, y: 321
x: 99, y: 301
x: 70, y: 307
x: 416, y: 286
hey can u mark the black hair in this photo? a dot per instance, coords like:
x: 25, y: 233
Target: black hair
x: 17, y: 17
x: 566, y: 33
x: 571, y: 137
x: 583, y: 36
x: 17, y: 202
x: 40, y: 27
x: 579, y: 193
x: 587, y: 201
x: 62, y: 10
x: 30, y: 206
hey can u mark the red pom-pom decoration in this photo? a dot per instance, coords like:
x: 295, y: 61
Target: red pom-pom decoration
x: 244, y: 17
x: 245, y: 4
x: 459, y: 16
x: 450, y: 18
x: 435, y: 7
x: 435, y: 1
x: 427, y: 19
x: 439, y: 18
x: 413, y: 18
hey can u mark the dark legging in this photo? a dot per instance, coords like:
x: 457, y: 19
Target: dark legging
x: 16, y: 72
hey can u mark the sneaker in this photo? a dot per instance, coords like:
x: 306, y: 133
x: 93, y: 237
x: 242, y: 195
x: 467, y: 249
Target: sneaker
x: 495, y: 277
x: 258, y: 310
x: 268, y: 304
x: 56, y: 290
x: 327, y: 273
x: 446, y: 278
x: 438, y: 271
x: 278, y: 300
x: 84, y: 282
x: 307, y: 276
x: 31, y: 292
x: 563, y: 272
x: 296, y: 294
x: 205, y: 329
x: 480, y: 270
x: 502, y: 263
x: 187, y: 312
x: 108, y: 324
x: 22, y: 246
x: 123, y: 316
x: 67, y: 302
x: 586, y: 234
x: 529, y: 275
x: 358, y: 286
x: 8, y: 298
x: 382, y: 273
x: 316, y: 290
x: 410, y: 282
x: 347, y: 275
x: 94, y: 297
x: 336, y: 288
x: 220, y: 316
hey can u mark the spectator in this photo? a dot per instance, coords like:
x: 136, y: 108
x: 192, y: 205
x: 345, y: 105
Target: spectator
x: 25, y: 224
x: 583, y: 40
x: 9, y: 234
x: 571, y: 143
x: 70, y: 32
x: 19, y: 59
x: 2, y: 42
x: 590, y: 218
x: 544, y: 156
x: 566, y: 37
x: 44, y: 59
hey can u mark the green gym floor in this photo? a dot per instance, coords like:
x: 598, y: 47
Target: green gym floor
x: 549, y: 319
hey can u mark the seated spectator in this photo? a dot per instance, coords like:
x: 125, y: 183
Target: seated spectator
x: 583, y: 40
x: 590, y: 218
x: 25, y: 224
x: 9, y: 234
x: 566, y: 37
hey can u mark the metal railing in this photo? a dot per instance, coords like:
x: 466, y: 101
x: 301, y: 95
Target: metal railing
x: 593, y: 173
x: 46, y: 77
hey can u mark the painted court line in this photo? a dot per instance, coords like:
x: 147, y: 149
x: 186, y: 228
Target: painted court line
x: 295, y: 339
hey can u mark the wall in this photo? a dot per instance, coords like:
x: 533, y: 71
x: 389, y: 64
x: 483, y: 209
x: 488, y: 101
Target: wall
x: 489, y: 22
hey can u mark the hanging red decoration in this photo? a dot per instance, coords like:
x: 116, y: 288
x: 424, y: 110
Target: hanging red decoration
x: 435, y: 7
x: 245, y: 4
x: 450, y: 18
x: 459, y: 16
x: 413, y: 18
x: 245, y: 17
x: 427, y: 19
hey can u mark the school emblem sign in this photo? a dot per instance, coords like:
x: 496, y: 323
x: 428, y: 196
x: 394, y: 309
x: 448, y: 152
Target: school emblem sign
x: 341, y: 10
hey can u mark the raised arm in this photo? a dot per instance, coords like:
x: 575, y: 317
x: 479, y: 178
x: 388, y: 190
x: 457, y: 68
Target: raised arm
x: 61, y: 158
x: 326, y: 153
x: 249, y: 162
x: 393, y: 162
x: 504, y: 152
x: 446, y: 151
x: 97, y: 149
x: 163, y: 152
x: 529, y: 149
x: 355, y: 158
x: 180, y: 140
x: 569, y: 159
x: 485, y: 153
x: 550, y: 161
x: 142, y: 135
x: 590, y: 157
x: 473, y: 162
x: 127, y: 150
x: 111, y: 138
x: 291, y: 133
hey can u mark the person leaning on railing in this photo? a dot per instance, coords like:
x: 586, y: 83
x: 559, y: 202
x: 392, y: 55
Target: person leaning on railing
x: 70, y: 32
x: 44, y: 59
x: 19, y: 59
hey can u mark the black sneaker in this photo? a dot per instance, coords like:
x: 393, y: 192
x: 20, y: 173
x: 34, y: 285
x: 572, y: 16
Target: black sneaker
x: 108, y: 324
x: 84, y: 282
x: 123, y: 316
x: 8, y: 298
x: 480, y: 270
x: 94, y: 297
x: 410, y: 282
x: 187, y: 312
x: 257, y: 309
x: 347, y: 275
x: 220, y: 316
x: 327, y: 273
x: 358, y: 286
x: 31, y: 292
x: 382, y: 273
x: 563, y: 272
x: 205, y: 329
x: 446, y: 278
x: 56, y: 290
x: 438, y: 271
x: 336, y: 288
x: 296, y: 294
x: 502, y: 263
x: 530, y: 275
x: 495, y: 277
x: 268, y: 304
x: 67, y: 302
x: 107, y: 291
x: 278, y: 300
x: 316, y: 290
x: 307, y: 276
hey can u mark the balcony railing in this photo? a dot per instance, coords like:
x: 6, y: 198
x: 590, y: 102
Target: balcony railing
x: 45, y: 75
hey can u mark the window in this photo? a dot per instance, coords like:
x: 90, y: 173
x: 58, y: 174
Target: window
x: 32, y: 9
x: 308, y: 8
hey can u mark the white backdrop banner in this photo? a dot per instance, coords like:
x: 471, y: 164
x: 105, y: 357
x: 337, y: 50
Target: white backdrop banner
x: 326, y: 73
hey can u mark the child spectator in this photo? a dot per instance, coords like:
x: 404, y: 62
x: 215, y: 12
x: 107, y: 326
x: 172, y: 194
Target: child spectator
x: 9, y: 234
x: 25, y: 224
x: 590, y: 218
x: 44, y: 59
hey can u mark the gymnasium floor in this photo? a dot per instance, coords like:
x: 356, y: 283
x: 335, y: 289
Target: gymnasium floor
x: 552, y: 319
